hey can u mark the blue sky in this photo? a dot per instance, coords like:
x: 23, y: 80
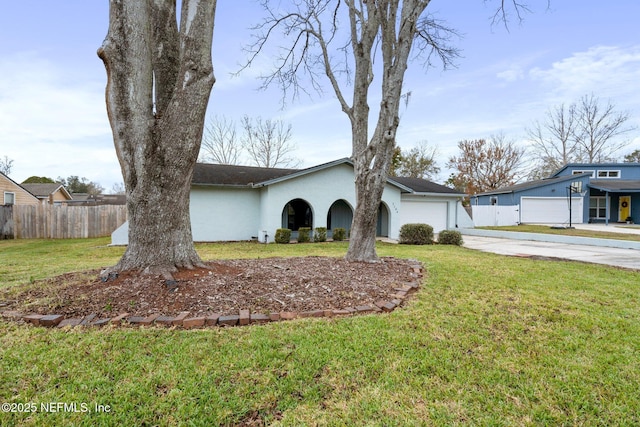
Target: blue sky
x: 53, y: 120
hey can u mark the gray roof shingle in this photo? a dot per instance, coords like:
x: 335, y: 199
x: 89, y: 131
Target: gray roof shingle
x: 420, y: 185
x: 43, y: 189
x: 213, y: 174
x: 616, y: 185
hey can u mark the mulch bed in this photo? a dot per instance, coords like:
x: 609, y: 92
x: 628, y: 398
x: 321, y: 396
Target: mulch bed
x: 265, y: 285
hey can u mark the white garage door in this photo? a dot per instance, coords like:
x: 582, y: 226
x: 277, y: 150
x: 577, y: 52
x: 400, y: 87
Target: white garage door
x: 432, y: 213
x: 550, y: 210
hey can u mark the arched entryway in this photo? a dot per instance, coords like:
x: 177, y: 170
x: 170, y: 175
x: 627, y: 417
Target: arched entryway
x: 297, y: 213
x: 382, y: 229
x: 340, y: 215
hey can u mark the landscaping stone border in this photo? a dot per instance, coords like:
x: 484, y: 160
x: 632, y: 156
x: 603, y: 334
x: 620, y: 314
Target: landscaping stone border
x: 242, y: 318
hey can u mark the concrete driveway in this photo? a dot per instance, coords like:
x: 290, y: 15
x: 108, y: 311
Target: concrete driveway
x: 600, y: 251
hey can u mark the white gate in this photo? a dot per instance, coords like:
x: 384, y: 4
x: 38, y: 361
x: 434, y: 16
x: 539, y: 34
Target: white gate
x: 495, y: 216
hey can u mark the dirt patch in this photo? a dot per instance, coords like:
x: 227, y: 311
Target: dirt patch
x: 260, y: 285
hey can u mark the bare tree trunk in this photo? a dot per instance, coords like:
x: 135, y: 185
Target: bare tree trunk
x: 372, y: 158
x: 369, y: 186
x: 159, y: 80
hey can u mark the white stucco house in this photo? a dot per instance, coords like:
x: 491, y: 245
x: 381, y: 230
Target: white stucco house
x: 233, y: 203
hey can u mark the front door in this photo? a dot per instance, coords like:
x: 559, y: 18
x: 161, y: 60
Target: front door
x: 624, y: 208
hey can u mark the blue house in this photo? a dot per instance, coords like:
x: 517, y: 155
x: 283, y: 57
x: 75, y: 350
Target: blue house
x: 591, y: 192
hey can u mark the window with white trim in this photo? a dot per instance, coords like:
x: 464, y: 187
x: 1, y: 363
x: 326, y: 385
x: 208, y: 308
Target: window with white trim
x: 598, y: 207
x: 609, y: 174
x: 578, y: 172
x: 9, y: 198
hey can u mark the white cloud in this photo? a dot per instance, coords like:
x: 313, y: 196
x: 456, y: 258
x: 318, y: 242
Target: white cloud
x: 608, y: 71
x: 52, y: 123
x: 514, y: 73
x: 38, y: 103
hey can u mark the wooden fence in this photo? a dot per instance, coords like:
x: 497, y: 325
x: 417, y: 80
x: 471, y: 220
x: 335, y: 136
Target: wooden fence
x: 60, y: 221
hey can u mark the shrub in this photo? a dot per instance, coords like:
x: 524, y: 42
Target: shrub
x: 304, y: 235
x: 320, y: 234
x: 283, y: 235
x: 450, y: 237
x: 339, y: 234
x: 416, y: 234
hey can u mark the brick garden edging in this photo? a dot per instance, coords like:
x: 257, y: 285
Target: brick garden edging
x: 242, y: 318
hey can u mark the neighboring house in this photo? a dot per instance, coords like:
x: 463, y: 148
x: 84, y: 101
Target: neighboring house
x: 601, y: 192
x: 14, y: 194
x: 242, y: 203
x: 52, y: 194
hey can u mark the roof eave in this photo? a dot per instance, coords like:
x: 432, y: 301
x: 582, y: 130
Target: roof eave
x: 303, y: 172
x: 432, y: 194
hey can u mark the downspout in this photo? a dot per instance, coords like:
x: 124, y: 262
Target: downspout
x: 606, y: 203
x: 456, y: 220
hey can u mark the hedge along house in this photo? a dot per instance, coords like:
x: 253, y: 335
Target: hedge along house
x: 234, y: 203
x: 600, y: 192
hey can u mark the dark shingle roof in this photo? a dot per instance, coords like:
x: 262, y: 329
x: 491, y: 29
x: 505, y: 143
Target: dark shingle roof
x: 211, y: 174
x: 420, y: 185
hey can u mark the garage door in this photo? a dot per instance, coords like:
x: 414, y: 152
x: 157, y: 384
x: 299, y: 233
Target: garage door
x: 432, y: 213
x: 550, y: 210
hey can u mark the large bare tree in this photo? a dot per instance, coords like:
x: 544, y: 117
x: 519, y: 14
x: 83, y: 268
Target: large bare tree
x: 220, y: 143
x: 159, y: 78
x: 268, y: 142
x: 392, y: 31
x: 363, y: 48
x: 587, y: 131
x: 600, y: 129
x: 553, y: 140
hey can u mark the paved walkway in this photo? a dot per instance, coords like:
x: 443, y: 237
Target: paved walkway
x: 600, y: 251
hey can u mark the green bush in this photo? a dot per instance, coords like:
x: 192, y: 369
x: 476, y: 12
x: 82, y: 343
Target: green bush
x: 283, y: 235
x: 416, y: 234
x: 339, y: 234
x: 320, y: 234
x: 304, y: 235
x: 450, y: 237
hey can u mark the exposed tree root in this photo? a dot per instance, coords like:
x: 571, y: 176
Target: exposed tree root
x: 166, y: 271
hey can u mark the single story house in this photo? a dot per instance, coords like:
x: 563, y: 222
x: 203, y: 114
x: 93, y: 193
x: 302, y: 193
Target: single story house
x: 14, y: 194
x: 600, y: 192
x: 49, y: 193
x: 231, y: 203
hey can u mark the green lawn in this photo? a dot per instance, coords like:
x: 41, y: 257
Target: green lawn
x: 488, y: 340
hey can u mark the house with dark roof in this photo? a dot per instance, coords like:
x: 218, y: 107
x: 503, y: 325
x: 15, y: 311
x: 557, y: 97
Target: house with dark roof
x: 591, y: 192
x: 230, y: 203
x: 49, y: 193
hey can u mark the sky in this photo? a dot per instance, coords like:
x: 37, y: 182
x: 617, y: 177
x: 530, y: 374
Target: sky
x: 53, y: 119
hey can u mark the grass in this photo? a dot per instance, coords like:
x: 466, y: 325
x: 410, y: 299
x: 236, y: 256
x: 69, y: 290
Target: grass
x: 545, y: 229
x: 488, y: 340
